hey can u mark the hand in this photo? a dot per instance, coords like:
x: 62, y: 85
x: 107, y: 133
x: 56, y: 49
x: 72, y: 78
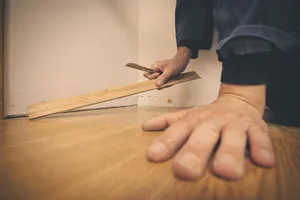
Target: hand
x: 170, y: 67
x: 192, y: 134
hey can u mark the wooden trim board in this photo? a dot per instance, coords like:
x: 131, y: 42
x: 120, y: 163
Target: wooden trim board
x: 62, y: 105
x: 2, y: 30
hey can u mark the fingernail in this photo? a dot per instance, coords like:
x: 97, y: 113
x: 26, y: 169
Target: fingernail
x: 158, y: 148
x: 159, y: 82
x: 265, y: 155
x: 230, y: 161
x: 190, y: 161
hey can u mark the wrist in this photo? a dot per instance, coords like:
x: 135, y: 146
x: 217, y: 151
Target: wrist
x: 183, y: 53
x: 253, y: 95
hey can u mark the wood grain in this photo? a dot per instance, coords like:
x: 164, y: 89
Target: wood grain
x: 2, y: 18
x: 101, y: 155
x: 62, y: 105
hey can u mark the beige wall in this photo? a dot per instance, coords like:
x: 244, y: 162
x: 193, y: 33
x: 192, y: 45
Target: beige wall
x: 60, y: 48
x: 157, y: 41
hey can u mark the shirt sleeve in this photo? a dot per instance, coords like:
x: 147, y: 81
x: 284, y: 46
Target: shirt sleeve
x: 254, y: 38
x: 249, y: 68
x: 194, y: 24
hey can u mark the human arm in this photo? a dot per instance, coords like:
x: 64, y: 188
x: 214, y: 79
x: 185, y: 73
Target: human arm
x: 251, y: 54
x: 194, y: 30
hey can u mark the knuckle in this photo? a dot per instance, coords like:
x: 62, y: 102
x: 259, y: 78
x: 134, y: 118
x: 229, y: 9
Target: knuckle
x: 232, y: 149
x: 264, y: 127
x: 209, y: 125
x: 197, y: 146
x: 254, y: 128
x: 254, y: 123
x: 161, y: 63
x: 167, y: 140
x: 261, y: 142
x: 183, y: 112
x: 239, y: 125
x: 165, y: 75
x: 258, y: 125
x: 196, y: 116
x: 185, y: 124
x: 230, y: 116
x: 247, y: 119
x: 180, y: 114
x: 263, y: 124
x: 259, y: 139
x: 155, y: 65
x: 230, y: 126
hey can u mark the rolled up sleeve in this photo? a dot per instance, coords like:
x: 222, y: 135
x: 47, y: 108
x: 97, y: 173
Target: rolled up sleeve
x: 194, y: 24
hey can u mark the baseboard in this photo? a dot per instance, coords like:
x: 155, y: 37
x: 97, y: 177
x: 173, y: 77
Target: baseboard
x: 75, y: 111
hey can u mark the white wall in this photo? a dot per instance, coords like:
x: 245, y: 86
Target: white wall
x: 157, y: 41
x: 61, y: 48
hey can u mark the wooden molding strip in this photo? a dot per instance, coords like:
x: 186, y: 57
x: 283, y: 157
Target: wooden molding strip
x: 2, y: 28
x: 62, y: 105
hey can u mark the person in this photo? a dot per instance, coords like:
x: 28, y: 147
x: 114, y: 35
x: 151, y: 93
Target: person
x: 258, y: 46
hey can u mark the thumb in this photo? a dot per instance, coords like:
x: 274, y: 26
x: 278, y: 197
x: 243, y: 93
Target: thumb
x: 163, y: 78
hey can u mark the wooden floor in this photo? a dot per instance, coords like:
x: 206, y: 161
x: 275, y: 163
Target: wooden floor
x: 100, y: 155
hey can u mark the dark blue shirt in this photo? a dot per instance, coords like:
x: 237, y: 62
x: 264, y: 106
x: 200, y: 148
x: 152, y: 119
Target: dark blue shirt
x: 252, y: 34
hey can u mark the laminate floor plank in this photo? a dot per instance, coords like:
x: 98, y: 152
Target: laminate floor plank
x: 100, y: 154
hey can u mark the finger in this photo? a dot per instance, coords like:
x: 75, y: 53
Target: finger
x: 146, y: 74
x: 229, y: 159
x: 261, y: 150
x: 190, y: 163
x: 151, y: 76
x: 157, y: 66
x: 163, y: 121
x: 172, y: 139
x: 154, y: 75
x: 164, y: 77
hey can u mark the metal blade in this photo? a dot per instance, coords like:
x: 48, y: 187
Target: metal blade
x: 138, y: 67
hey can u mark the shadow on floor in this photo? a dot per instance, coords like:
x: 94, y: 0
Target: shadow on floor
x: 285, y: 120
